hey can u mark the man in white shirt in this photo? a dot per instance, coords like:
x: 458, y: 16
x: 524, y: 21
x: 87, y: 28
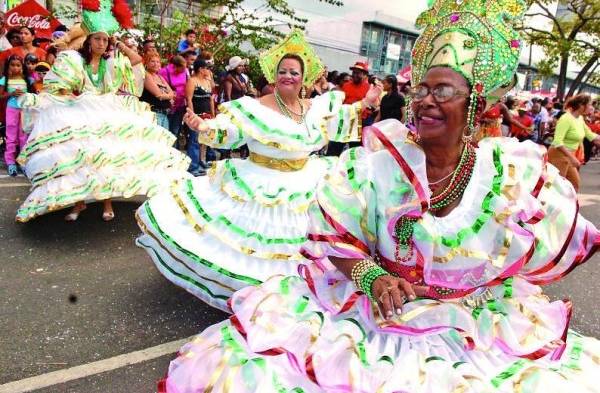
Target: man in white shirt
x: 4, y: 44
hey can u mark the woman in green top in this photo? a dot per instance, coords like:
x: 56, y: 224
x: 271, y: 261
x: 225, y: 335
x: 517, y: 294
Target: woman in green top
x: 569, y: 133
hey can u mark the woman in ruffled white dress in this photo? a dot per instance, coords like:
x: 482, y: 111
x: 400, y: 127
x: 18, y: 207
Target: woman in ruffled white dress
x: 247, y: 220
x: 429, y: 254
x: 91, y: 138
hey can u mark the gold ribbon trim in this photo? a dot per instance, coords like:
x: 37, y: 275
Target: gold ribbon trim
x: 282, y: 165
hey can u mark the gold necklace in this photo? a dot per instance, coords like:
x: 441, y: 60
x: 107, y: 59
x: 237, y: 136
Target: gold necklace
x: 288, y: 110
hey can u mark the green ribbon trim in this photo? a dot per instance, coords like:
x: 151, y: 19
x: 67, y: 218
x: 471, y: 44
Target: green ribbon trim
x: 252, y: 193
x: 33, y: 210
x: 36, y: 180
x: 183, y: 276
x: 487, y: 211
x: 340, y: 127
x: 194, y: 257
x: 154, y: 133
x: 432, y: 358
x: 575, y: 354
x: 301, y: 304
x: 234, y: 228
x: 508, y: 287
x: 509, y: 372
x: 251, y: 117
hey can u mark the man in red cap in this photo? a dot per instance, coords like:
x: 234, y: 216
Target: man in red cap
x: 355, y: 90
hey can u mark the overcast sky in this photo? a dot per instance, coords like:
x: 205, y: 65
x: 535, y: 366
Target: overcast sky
x: 408, y: 10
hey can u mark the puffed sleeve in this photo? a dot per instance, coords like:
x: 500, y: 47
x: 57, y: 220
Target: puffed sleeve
x: 124, y: 76
x: 225, y: 132
x: 342, y: 221
x: 342, y: 123
x: 66, y: 74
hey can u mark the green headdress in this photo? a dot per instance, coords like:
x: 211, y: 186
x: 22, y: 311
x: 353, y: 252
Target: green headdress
x: 107, y: 16
x: 475, y: 38
x: 296, y: 44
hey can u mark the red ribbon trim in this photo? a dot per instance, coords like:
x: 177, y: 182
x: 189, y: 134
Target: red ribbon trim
x: 551, y: 264
x: 344, y: 235
x: 403, y: 165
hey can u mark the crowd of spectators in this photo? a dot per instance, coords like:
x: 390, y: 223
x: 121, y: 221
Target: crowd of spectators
x: 187, y: 79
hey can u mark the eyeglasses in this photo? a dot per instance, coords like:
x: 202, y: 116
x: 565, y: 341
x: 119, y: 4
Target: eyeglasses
x: 440, y: 93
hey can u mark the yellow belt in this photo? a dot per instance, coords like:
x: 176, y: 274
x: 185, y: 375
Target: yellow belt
x: 283, y: 165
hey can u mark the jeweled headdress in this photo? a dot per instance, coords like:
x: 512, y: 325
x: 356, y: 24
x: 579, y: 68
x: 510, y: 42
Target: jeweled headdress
x: 107, y: 16
x: 296, y: 44
x: 475, y: 38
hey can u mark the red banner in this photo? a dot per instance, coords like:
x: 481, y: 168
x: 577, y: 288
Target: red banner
x: 31, y: 14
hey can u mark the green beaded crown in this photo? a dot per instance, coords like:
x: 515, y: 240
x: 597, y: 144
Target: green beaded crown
x: 475, y: 38
x: 296, y: 44
x: 107, y: 16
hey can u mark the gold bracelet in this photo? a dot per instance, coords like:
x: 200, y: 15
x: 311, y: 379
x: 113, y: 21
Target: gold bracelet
x: 359, y: 269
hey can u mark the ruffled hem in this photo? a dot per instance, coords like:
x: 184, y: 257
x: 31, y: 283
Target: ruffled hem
x: 92, y: 184
x: 236, y: 228
x: 282, y: 338
x: 94, y: 147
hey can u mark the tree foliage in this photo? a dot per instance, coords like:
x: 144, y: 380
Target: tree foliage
x: 225, y: 27
x: 573, y: 34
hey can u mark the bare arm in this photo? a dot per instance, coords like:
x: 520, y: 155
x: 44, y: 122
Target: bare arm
x: 134, y: 57
x: 574, y: 161
x: 152, y: 87
x: 189, y: 93
x: 510, y: 119
x: 227, y: 85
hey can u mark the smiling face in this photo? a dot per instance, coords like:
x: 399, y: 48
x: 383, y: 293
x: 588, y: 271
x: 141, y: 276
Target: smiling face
x: 289, y: 76
x: 153, y: 64
x: 444, y: 122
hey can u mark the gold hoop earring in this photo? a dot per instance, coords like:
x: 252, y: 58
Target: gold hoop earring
x: 468, y: 137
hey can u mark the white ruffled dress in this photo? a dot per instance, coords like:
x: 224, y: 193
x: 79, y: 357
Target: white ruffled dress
x: 247, y: 220
x: 485, y: 325
x: 96, y: 144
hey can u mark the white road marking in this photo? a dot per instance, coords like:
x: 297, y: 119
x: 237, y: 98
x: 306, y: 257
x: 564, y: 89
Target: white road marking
x: 85, y: 370
x: 7, y: 185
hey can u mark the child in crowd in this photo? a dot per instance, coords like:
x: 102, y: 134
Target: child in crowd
x: 33, y: 77
x: 13, y: 84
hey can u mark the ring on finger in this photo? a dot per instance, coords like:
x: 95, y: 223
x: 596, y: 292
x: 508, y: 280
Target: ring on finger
x: 380, y: 298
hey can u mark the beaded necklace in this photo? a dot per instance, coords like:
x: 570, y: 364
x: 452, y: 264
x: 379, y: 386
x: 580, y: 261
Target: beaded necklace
x: 98, y: 78
x: 288, y: 112
x: 454, y: 190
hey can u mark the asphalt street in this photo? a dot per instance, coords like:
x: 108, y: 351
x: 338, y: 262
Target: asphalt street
x: 76, y: 293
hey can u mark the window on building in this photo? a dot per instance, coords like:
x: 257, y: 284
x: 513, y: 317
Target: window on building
x: 386, y: 49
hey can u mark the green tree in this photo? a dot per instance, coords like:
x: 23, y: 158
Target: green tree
x: 226, y: 27
x: 572, y: 34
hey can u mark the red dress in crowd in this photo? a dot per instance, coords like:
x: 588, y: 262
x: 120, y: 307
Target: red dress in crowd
x: 491, y: 122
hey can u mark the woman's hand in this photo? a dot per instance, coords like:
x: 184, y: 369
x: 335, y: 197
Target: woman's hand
x: 390, y: 292
x: 194, y: 122
x: 575, y: 162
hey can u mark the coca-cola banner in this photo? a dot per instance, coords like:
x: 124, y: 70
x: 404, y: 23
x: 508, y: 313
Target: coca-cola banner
x: 31, y: 13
